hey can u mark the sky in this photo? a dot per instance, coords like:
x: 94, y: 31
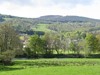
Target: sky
x: 37, y: 8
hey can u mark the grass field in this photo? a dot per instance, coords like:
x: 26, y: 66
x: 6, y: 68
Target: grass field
x: 42, y: 27
x: 53, y: 67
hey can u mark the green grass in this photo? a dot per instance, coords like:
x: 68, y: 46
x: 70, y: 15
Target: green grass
x: 42, y: 27
x: 53, y: 67
x: 7, y: 19
x: 61, y: 70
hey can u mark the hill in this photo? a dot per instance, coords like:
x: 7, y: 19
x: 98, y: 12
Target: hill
x: 58, y: 18
x: 51, y: 18
x: 52, y: 23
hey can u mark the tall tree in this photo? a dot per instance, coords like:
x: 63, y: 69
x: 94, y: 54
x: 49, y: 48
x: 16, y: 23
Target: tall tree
x: 49, y: 40
x: 98, y: 37
x: 91, y: 43
x: 10, y: 44
x: 36, y: 44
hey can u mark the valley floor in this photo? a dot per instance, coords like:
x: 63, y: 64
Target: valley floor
x: 53, y: 67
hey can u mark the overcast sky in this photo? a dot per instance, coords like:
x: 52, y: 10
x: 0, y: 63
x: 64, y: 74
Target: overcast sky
x: 37, y: 8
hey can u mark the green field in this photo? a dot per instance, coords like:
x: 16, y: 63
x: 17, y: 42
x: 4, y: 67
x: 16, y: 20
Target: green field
x: 53, y: 67
x: 42, y: 27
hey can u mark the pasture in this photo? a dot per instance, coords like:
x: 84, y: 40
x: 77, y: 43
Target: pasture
x: 68, y: 66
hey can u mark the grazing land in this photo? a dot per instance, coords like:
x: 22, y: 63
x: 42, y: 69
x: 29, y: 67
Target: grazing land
x: 68, y: 66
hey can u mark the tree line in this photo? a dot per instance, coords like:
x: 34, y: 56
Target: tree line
x: 83, y: 44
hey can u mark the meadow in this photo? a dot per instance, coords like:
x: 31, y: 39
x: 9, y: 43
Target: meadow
x: 67, y: 66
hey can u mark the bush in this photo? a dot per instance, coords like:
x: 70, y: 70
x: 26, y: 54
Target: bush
x: 7, y: 56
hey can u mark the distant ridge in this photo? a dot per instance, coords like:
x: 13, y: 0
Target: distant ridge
x: 53, y: 18
x: 66, y: 18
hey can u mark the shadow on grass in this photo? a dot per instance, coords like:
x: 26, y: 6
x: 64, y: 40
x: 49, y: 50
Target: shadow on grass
x: 5, y: 68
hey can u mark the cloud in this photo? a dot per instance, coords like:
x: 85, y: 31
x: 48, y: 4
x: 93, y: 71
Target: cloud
x: 17, y: 2
x: 91, y: 11
x: 47, y: 2
x: 36, y: 8
x: 72, y: 2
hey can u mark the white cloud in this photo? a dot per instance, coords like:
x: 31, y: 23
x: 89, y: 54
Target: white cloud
x: 43, y: 7
x: 91, y: 11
